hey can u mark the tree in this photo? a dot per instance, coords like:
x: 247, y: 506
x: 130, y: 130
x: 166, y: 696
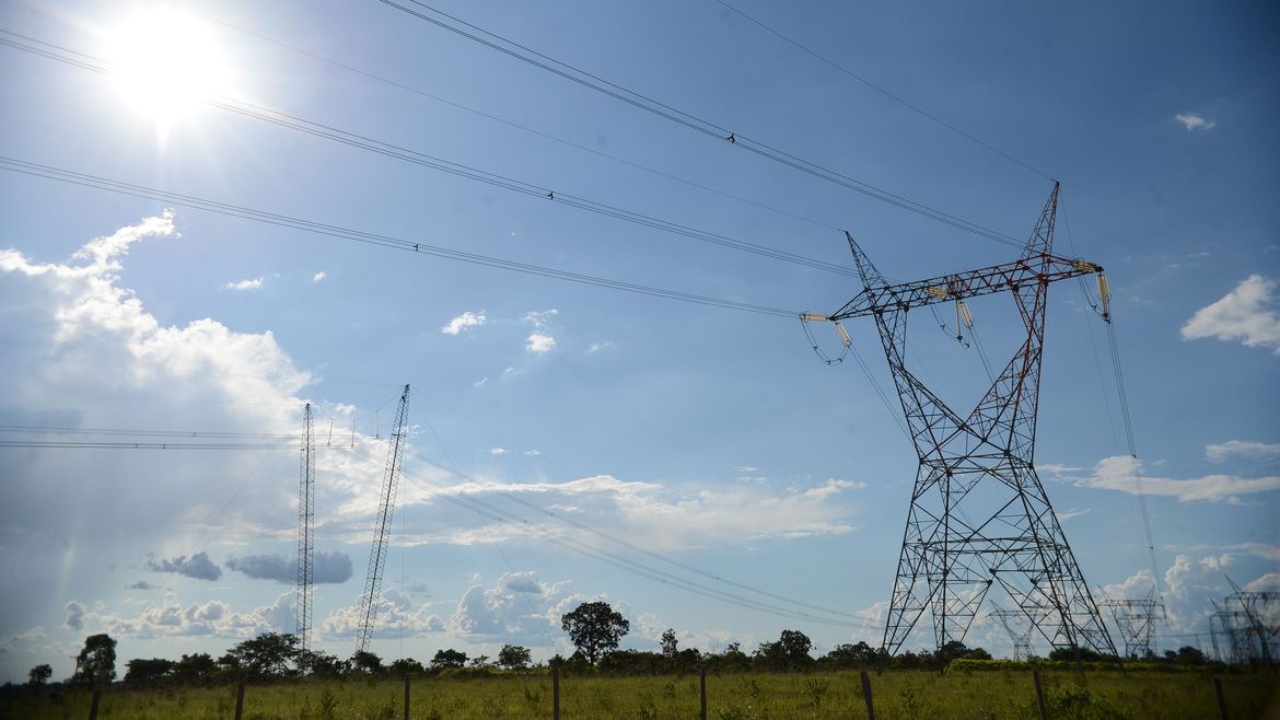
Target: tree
x: 142, y: 671
x: 96, y: 663
x: 366, y: 662
x: 193, y: 668
x: 39, y: 675
x: 267, y: 655
x: 790, y: 651
x: 594, y: 628
x: 448, y: 658
x: 318, y: 663
x: 848, y: 657
x: 670, y: 645
x: 406, y: 666
x: 514, y: 657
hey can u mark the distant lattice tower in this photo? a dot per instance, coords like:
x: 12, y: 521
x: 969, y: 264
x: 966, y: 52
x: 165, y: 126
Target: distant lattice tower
x: 979, y: 516
x: 386, y: 508
x: 1021, y: 636
x: 306, y: 537
x: 1136, y: 619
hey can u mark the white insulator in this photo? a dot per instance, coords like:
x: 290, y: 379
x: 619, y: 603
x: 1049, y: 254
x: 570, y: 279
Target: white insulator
x: 813, y: 317
x: 965, y: 316
x: 1104, y: 295
x: 844, y: 335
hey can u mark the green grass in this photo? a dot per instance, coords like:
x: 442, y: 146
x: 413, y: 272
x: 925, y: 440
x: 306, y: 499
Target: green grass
x: 980, y: 695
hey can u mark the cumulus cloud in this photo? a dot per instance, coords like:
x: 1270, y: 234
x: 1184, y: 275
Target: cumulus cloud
x: 540, y: 343
x: 1193, y: 122
x: 1232, y: 448
x: 517, y: 604
x: 319, y: 276
x: 250, y: 284
x: 1123, y: 473
x: 198, y: 566
x: 327, y: 567
x: 1246, y: 314
x: 171, y: 618
x: 74, y: 617
x: 399, y: 614
x: 462, y: 322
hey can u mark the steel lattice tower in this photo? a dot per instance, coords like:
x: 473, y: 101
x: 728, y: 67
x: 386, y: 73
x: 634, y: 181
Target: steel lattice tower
x: 979, y: 516
x: 306, y: 538
x: 1136, y: 620
x: 378, y: 554
x: 1020, y: 636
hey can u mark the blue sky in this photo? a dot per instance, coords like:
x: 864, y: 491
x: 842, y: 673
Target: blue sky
x: 705, y: 450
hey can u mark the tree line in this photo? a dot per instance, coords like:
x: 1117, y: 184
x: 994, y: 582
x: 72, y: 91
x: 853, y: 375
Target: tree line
x: 594, y: 628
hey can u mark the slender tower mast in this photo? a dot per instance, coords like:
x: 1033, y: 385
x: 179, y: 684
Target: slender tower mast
x: 979, y: 517
x: 378, y: 555
x: 306, y: 538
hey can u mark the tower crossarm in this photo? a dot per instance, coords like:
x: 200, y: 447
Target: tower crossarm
x: 1041, y: 268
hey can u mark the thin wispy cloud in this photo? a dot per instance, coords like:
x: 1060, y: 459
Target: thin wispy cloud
x: 242, y: 285
x: 1246, y: 314
x: 596, y: 347
x: 1232, y: 448
x: 462, y: 322
x: 1124, y: 473
x: 1193, y: 122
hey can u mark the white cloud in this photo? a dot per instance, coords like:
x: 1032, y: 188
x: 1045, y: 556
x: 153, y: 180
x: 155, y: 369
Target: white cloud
x: 1193, y: 122
x: 650, y: 513
x: 517, y: 605
x: 398, y: 615
x: 462, y: 322
x: 497, y: 451
x: 1221, y: 451
x: 319, y: 276
x: 596, y: 347
x: 1123, y: 473
x: 1243, y: 314
x: 171, y: 618
x: 540, y: 343
x: 250, y: 284
x: 540, y: 318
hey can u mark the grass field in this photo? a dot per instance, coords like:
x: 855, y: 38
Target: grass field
x: 896, y: 695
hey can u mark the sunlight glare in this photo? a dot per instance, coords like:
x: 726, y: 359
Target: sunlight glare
x: 166, y: 63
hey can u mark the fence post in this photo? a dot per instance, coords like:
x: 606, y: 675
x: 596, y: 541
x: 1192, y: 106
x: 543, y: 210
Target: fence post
x: 406, y: 696
x: 555, y: 693
x: 93, y: 705
x: 1222, y: 700
x: 240, y: 699
x: 1039, y: 696
x: 866, y: 695
x: 702, y: 691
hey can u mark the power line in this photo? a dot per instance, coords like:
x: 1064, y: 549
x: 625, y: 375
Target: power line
x: 385, y: 241
x: 528, y: 527
x: 643, y: 102
x: 896, y: 98
x: 509, y: 123
x: 81, y: 60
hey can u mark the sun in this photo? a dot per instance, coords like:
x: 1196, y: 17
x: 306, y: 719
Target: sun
x: 166, y: 63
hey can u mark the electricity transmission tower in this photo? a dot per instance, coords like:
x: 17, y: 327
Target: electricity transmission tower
x: 306, y: 539
x: 1251, y: 622
x: 1136, y: 620
x: 979, y: 516
x: 1021, y: 637
x: 378, y: 555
